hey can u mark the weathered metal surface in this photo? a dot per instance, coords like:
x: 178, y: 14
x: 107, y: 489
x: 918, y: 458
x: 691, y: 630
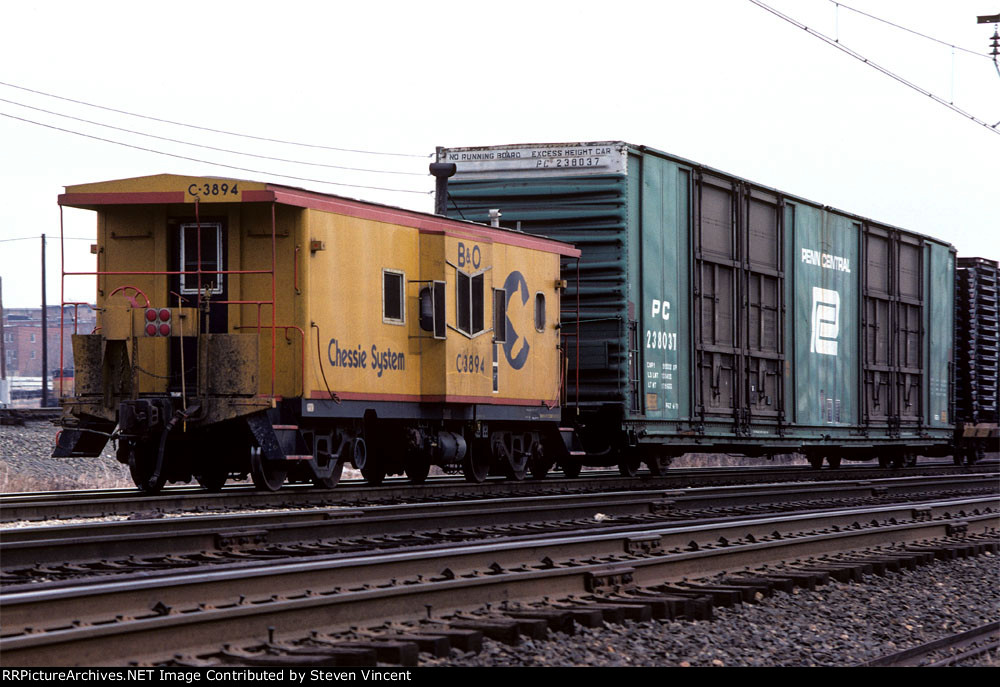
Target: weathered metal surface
x: 230, y: 363
x: 88, y: 354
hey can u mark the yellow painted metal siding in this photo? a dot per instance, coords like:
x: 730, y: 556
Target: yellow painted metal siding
x: 360, y: 352
x: 329, y: 301
x: 344, y: 300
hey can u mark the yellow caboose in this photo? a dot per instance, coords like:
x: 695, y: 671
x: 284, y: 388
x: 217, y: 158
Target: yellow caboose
x: 250, y: 328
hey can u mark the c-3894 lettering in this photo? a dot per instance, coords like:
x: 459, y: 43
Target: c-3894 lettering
x: 470, y: 363
x: 207, y: 189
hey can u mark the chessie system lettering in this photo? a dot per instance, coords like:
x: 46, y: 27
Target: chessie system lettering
x: 378, y: 361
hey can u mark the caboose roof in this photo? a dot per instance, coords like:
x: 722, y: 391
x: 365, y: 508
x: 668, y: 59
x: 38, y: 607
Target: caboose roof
x: 170, y: 189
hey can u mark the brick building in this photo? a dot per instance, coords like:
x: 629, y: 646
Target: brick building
x: 22, y: 338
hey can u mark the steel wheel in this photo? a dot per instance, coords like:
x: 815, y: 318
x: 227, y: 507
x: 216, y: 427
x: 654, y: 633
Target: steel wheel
x: 213, y: 479
x: 815, y: 462
x: 658, y: 466
x: 331, y: 480
x: 476, y: 465
x: 571, y: 469
x: 833, y: 461
x: 538, y: 464
x: 266, y: 475
x: 373, y: 474
x: 629, y: 466
x: 142, y: 457
x: 417, y: 469
x: 515, y: 463
x: 515, y: 469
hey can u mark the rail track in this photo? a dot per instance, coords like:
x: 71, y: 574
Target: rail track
x: 315, y: 612
x: 104, y: 502
x: 947, y: 651
x: 66, y: 551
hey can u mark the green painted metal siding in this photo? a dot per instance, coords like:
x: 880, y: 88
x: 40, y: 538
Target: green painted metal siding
x: 825, y: 292
x: 940, y: 322
x: 659, y: 277
x: 666, y: 242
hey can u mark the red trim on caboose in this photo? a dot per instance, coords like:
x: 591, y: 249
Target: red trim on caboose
x: 424, y: 222
x: 415, y: 398
x: 134, y: 198
x: 256, y: 196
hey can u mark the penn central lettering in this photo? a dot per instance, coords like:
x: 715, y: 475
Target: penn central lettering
x: 357, y: 357
x: 825, y: 260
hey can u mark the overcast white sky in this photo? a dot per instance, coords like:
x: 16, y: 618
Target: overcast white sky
x: 723, y: 82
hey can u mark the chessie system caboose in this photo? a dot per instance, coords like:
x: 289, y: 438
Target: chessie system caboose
x: 250, y: 328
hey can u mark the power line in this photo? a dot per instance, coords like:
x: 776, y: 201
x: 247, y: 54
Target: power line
x: 922, y: 35
x: 205, y: 128
x: 862, y: 58
x: 208, y: 162
x: 208, y: 147
x: 35, y: 238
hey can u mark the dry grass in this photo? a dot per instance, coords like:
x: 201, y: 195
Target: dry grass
x: 714, y: 460
x: 101, y: 477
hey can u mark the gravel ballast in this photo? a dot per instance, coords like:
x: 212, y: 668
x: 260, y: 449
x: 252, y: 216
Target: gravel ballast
x: 26, y: 463
x: 838, y: 624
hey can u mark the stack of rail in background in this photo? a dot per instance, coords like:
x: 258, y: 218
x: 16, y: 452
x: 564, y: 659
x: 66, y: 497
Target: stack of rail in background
x: 977, y: 351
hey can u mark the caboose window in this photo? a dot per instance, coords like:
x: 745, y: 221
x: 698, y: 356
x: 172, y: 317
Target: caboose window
x: 470, y: 303
x: 392, y: 297
x: 211, y: 252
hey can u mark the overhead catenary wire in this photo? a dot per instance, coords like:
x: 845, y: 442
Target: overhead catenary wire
x: 208, y: 147
x: 903, y: 28
x: 209, y: 162
x: 873, y: 65
x: 216, y: 131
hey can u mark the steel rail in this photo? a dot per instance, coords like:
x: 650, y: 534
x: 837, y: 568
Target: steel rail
x: 976, y: 641
x: 50, y: 505
x: 151, y: 620
x: 33, y: 546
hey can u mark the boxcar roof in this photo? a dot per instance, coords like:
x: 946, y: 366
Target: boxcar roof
x: 176, y: 189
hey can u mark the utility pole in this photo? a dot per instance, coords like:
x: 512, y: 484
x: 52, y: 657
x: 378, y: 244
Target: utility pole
x: 45, y: 336
x: 993, y: 19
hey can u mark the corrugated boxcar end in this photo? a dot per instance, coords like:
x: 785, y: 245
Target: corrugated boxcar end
x: 720, y: 314
x: 250, y: 328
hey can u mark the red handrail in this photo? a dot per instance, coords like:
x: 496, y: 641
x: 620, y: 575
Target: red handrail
x: 199, y: 272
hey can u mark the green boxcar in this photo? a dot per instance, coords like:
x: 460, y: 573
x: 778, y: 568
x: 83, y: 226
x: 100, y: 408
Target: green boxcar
x: 717, y: 314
